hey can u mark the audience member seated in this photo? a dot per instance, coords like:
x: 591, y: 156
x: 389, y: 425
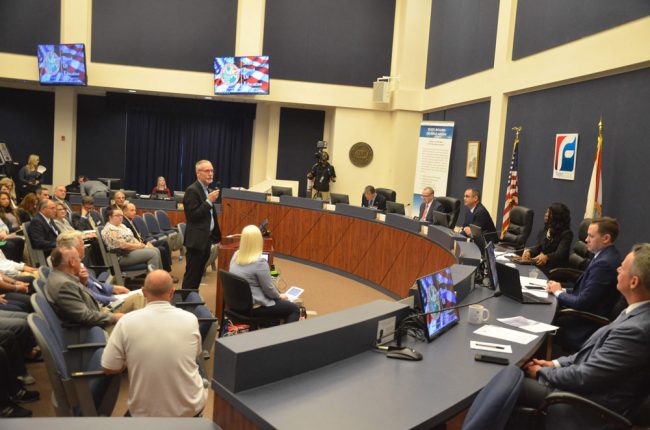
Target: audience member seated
x: 15, y: 294
x: 29, y: 178
x: 92, y: 188
x: 12, y: 390
x: 11, y: 244
x: 171, y: 352
x: 611, y: 368
x: 370, y: 199
x: 595, y: 291
x: 14, y: 268
x: 119, y: 201
x: 42, y: 231
x: 103, y: 292
x: 161, y: 189
x: 61, y: 218
x: 8, y: 185
x: 478, y: 215
x: 27, y: 208
x: 161, y: 245
x: 553, y: 242
x: 42, y: 193
x: 120, y: 240
x: 70, y: 299
x: 59, y: 197
x: 249, y: 264
x: 428, y: 205
x: 88, y: 218
x: 8, y: 214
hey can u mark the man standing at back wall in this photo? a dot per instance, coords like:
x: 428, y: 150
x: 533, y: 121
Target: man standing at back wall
x: 202, y: 225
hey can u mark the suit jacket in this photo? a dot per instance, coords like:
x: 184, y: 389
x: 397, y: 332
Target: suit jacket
x: 435, y: 206
x: 480, y: 217
x: 81, y: 223
x: 379, y: 202
x: 73, y: 302
x: 197, y: 215
x: 102, y: 292
x: 90, y: 188
x: 557, y: 248
x: 41, y: 234
x: 612, y: 366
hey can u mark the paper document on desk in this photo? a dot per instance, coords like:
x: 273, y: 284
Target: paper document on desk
x: 506, y: 334
x: 528, y: 324
x: 130, y: 293
x: 533, y: 282
x: 537, y: 293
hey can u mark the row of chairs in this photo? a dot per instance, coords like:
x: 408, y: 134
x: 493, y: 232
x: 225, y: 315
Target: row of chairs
x: 72, y: 353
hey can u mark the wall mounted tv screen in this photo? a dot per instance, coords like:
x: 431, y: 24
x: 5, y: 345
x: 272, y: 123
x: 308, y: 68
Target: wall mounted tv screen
x: 63, y: 64
x: 241, y: 75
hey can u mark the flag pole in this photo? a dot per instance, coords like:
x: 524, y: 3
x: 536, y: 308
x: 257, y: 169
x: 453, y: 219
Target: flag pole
x: 512, y: 189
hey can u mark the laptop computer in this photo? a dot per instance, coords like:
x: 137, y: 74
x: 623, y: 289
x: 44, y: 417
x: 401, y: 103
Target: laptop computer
x: 510, y: 286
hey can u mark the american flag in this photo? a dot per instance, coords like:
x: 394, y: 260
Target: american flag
x: 512, y: 188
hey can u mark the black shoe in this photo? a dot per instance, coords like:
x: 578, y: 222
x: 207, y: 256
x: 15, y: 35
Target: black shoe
x: 25, y: 396
x: 12, y: 410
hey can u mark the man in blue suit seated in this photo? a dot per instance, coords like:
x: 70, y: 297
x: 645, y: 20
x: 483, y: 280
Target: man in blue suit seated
x: 478, y: 215
x: 595, y: 291
x: 611, y: 368
x: 371, y: 199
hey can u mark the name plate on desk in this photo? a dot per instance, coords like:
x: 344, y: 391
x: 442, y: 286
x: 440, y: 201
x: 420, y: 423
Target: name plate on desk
x: 381, y: 217
x: 273, y: 199
x: 424, y: 230
x: 329, y: 207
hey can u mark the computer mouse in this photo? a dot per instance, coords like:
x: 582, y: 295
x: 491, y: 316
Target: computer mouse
x: 404, y: 354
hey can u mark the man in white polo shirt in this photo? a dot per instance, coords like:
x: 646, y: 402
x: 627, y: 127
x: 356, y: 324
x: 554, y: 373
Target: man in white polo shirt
x: 159, y: 344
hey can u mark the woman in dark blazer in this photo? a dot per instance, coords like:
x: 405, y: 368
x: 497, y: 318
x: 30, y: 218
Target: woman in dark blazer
x: 554, y: 241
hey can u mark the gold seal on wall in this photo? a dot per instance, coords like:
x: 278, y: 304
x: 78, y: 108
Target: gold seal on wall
x: 361, y: 154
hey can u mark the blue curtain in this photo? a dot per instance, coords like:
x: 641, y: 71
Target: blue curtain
x: 166, y: 137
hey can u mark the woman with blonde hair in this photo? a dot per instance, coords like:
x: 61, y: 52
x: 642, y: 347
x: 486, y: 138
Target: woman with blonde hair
x: 60, y: 218
x: 29, y: 177
x: 7, y: 184
x: 161, y: 189
x: 249, y: 264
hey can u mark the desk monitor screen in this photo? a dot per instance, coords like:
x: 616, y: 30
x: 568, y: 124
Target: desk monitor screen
x: 281, y: 191
x: 436, y: 292
x: 491, y: 261
x: 441, y: 218
x: 395, y: 208
x: 477, y: 237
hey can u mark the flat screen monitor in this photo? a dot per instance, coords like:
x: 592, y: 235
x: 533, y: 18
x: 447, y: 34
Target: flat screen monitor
x: 241, y: 75
x: 491, y: 262
x: 281, y: 191
x: 436, y: 293
x: 441, y: 218
x: 63, y: 64
x: 477, y: 237
x: 339, y: 198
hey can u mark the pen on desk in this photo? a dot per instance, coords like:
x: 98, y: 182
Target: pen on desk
x: 489, y: 346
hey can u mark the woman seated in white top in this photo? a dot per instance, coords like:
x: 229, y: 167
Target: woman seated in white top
x: 249, y: 264
x: 119, y: 239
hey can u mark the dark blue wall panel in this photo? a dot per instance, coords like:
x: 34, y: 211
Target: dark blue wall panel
x: 545, y: 24
x: 462, y: 37
x: 300, y: 129
x: 167, y: 34
x: 27, y: 23
x: 624, y: 102
x: 27, y: 126
x: 345, y: 42
x: 471, y: 123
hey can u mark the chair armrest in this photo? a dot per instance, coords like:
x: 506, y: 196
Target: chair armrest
x: 602, y: 321
x: 101, y: 268
x: 574, y: 399
x: 564, y: 274
x: 206, y: 319
x: 188, y: 304
x: 81, y: 346
x: 88, y: 374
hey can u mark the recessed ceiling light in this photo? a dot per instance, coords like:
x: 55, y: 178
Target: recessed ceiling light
x: 132, y: 91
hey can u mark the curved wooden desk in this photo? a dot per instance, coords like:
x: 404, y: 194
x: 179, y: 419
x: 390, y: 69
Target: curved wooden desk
x: 383, y: 255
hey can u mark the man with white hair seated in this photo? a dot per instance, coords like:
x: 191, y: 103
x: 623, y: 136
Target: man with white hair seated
x: 164, y: 379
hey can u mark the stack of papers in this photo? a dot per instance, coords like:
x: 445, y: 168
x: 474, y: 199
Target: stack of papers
x: 506, y: 334
x: 528, y: 324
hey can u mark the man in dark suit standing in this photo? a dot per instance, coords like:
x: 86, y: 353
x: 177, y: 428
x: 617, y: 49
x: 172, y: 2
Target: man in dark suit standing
x: 42, y: 232
x: 611, y: 368
x: 202, y: 228
x: 370, y: 199
x: 429, y: 205
x: 478, y: 215
x: 595, y: 290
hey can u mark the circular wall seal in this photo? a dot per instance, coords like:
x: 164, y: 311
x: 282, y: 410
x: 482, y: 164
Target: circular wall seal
x: 361, y: 154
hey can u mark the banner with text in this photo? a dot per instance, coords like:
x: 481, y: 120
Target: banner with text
x: 432, y: 164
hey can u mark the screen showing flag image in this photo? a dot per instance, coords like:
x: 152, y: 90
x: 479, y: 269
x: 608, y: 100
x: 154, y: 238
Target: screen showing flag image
x: 436, y: 294
x: 63, y: 64
x: 241, y: 75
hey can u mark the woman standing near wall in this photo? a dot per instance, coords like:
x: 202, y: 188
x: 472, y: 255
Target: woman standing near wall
x: 29, y: 177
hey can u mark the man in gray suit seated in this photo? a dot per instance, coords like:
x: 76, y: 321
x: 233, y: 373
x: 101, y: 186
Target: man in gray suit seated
x: 612, y: 367
x: 70, y: 299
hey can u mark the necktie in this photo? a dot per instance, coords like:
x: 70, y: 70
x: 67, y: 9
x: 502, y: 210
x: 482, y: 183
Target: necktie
x: 91, y: 222
x: 426, y: 211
